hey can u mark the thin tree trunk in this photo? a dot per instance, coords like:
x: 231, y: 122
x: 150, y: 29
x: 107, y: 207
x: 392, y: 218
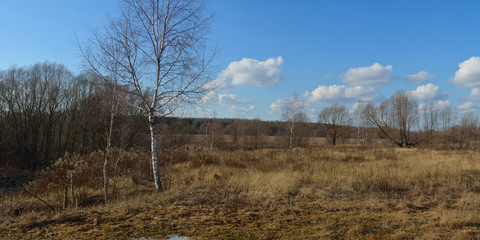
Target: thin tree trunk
x: 156, y: 172
x: 65, y: 195
x: 291, y: 135
x: 109, y: 143
x: 105, y: 176
x: 72, y: 187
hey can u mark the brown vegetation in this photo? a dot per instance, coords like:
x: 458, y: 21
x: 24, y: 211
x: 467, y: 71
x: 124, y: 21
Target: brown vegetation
x: 327, y: 193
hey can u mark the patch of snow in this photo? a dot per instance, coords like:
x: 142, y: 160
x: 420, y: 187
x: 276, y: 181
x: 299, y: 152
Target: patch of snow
x: 169, y: 237
x: 175, y: 237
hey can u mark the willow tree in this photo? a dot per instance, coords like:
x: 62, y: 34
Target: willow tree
x: 161, y: 56
x: 336, y: 119
x: 398, y: 119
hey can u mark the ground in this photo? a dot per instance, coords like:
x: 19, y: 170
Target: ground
x: 332, y: 194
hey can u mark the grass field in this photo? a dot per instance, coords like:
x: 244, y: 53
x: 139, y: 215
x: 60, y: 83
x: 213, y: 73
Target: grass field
x: 324, y: 193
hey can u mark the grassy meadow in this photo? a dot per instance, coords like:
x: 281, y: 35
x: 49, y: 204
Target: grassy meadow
x: 343, y: 192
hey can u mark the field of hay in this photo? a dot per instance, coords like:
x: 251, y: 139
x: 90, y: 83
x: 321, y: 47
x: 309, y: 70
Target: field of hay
x: 341, y: 192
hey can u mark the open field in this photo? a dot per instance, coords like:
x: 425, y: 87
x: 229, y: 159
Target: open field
x: 324, y: 193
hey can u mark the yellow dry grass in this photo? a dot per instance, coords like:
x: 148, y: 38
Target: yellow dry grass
x: 326, y: 193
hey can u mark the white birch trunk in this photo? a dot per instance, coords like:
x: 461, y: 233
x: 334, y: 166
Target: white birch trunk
x: 107, y: 154
x: 156, y: 172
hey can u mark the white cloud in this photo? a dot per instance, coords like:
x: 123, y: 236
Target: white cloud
x: 326, y: 75
x: 337, y: 93
x: 368, y: 76
x: 252, y: 72
x: 443, y: 103
x: 236, y: 109
x: 466, y: 106
x: 468, y: 74
x: 277, y: 106
x: 227, y: 99
x: 357, y: 108
x: 198, y: 111
x: 427, y: 92
x: 218, y: 84
x: 211, y: 97
x: 207, y: 98
x: 419, y: 77
x: 474, y: 94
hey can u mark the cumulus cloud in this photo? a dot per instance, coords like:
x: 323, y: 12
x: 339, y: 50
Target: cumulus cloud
x: 439, y: 104
x: 443, y: 103
x: 357, y: 108
x: 419, y: 77
x: 427, y: 92
x: 212, y: 97
x: 236, y: 109
x: 468, y: 74
x: 227, y: 99
x: 337, y: 93
x: 219, y: 84
x: 368, y: 76
x: 207, y: 98
x: 277, y: 106
x: 474, y: 94
x: 466, y: 106
x: 252, y: 72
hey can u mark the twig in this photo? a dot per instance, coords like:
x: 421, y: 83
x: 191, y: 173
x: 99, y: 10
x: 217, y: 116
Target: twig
x: 33, y: 195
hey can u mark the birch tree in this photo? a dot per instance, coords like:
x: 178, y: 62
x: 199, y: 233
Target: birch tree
x: 162, y: 57
x: 102, y: 56
x: 294, y: 115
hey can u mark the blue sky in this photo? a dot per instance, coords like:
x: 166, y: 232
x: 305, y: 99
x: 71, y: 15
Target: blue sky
x: 323, y: 51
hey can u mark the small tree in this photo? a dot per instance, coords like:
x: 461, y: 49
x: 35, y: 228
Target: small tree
x: 294, y: 116
x: 161, y: 57
x: 336, y: 119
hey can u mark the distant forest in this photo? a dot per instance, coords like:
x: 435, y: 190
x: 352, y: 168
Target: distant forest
x: 47, y: 111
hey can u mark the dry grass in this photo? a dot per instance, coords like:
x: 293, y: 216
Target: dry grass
x: 327, y: 193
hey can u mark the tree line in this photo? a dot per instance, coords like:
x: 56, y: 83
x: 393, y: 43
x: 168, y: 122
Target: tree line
x: 46, y: 111
x: 403, y: 122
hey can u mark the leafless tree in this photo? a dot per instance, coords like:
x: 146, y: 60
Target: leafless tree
x: 336, y: 119
x: 161, y: 46
x: 213, y: 133
x: 430, y: 114
x: 468, y: 132
x: 294, y: 115
x: 33, y: 97
x: 258, y: 131
x: 237, y: 130
x: 102, y: 56
x: 4, y: 116
x: 397, y: 118
x: 446, y: 121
